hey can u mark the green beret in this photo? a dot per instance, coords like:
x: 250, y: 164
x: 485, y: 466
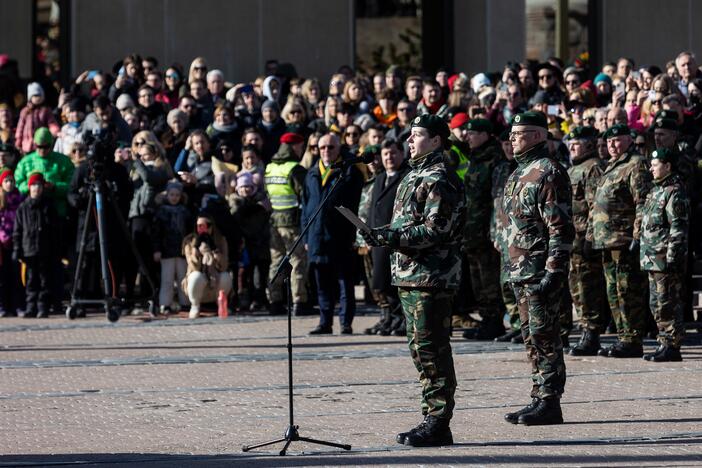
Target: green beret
x: 617, y: 130
x: 536, y: 119
x: 582, y: 133
x: 479, y: 125
x: 665, y: 155
x: 434, y: 124
x: 371, y: 149
x: 664, y: 123
x: 666, y: 114
x: 504, y: 136
x: 43, y: 136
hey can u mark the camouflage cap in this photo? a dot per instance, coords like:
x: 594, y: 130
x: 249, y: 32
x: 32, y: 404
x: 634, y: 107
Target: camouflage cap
x: 665, y: 155
x: 434, y: 124
x: 535, y: 119
x: 479, y: 125
x: 582, y: 133
x: 617, y: 130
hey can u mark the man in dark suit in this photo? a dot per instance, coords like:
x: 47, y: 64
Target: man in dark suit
x: 380, y: 214
x: 329, y: 241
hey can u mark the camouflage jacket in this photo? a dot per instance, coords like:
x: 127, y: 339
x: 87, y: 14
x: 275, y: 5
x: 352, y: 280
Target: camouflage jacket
x: 364, y: 207
x: 428, y: 218
x: 584, y: 175
x: 540, y: 226
x: 615, y: 217
x: 665, y: 224
x: 498, y: 223
x: 478, y: 188
x: 690, y: 171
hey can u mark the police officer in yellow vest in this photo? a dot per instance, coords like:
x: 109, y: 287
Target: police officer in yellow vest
x: 285, y: 179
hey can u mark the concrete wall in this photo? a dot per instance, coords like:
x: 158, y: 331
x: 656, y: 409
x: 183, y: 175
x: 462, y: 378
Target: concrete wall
x: 650, y: 31
x: 16, y: 33
x: 235, y: 36
x: 488, y: 33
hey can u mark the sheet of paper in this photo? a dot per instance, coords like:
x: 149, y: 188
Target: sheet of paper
x: 355, y: 220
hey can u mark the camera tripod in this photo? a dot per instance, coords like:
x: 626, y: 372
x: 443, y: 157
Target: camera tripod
x: 96, y: 203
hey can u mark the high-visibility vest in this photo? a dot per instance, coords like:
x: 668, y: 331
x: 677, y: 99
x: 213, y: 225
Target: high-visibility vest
x: 280, y: 190
x: 463, y: 162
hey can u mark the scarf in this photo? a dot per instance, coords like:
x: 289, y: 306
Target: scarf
x: 325, y: 172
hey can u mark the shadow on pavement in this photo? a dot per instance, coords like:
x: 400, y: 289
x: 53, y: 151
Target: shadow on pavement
x: 403, y: 456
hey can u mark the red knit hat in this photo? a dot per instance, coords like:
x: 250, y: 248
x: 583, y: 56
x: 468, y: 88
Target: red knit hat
x: 4, y: 175
x: 459, y: 120
x: 36, y: 178
x: 291, y: 138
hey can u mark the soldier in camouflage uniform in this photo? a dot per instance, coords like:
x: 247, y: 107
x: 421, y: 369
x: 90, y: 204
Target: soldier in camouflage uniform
x: 666, y: 134
x: 497, y: 235
x: 586, y: 279
x: 664, y: 232
x: 426, y: 266
x: 614, y: 225
x: 483, y: 261
x: 540, y: 234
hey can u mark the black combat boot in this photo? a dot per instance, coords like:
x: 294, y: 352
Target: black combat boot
x: 621, y: 349
x: 435, y: 432
x: 384, y: 317
x: 401, y: 328
x: 400, y: 438
x: 565, y: 341
x: 546, y: 412
x: 664, y: 354
x: 588, y: 345
x: 487, y: 330
x: 519, y: 339
x: 385, y: 328
x: 514, y: 417
x: 508, y: 336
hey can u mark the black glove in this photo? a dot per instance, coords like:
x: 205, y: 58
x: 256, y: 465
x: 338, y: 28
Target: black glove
x: 370, y: 238
x: 634, y: 246
x: 587, y: 249
x: 551, y: 282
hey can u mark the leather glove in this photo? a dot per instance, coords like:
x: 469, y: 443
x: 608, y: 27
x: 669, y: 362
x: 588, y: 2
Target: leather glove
x: 634, y: 246
x: 587, y: 249
x: 370, y: 238
x: 550, y: 283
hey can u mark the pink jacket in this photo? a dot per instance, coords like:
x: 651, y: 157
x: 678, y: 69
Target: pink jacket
x: 29, y: 121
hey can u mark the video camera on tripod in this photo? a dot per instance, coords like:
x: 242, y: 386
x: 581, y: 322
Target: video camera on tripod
x: 101, y: 145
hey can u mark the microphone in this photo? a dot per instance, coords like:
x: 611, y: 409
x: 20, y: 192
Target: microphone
x: 365, y: 158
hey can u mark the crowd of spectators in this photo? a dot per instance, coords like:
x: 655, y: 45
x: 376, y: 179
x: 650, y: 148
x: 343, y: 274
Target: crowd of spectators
x: 192, y: 159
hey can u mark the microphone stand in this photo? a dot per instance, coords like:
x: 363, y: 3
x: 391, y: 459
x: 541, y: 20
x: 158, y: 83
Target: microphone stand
x: 285, y: 270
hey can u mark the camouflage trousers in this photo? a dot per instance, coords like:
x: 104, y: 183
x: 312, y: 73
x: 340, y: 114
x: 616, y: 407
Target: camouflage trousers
x: 484, y: 271
x: 541, y: 332
x: 565, y: 312
x: 665, y: 299
x: 510, y: 303
x: 508, y: 299
x: 428, y: 317
x: 587, y: 288
x: 282, y: 239
x: 626, y: 293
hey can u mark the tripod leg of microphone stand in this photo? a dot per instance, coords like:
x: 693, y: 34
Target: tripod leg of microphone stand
x: 324, y: 442
x: 246, y: 448
x: 285, y: 447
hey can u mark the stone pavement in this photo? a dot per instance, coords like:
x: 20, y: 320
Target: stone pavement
x: 190, y: 393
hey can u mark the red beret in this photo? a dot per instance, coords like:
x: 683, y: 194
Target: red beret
x: 36, y: 178
x: 459, y: 120
x: 451, y: 80
x: 291, y: 138
x: 4, y: 175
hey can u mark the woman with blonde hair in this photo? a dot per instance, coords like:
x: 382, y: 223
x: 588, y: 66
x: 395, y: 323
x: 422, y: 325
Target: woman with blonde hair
x: 330, y: 109
x: 311, y: 91
x: 198, y: 70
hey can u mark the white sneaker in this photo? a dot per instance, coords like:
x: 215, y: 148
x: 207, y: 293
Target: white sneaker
x: 194, y: 312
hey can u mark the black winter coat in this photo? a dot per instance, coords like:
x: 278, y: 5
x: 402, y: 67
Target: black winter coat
x: 35, y: 229
x: 171, y: 224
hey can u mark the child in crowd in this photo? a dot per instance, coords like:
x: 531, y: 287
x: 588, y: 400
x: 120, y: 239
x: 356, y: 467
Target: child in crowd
x: 35, y: 244
x: 251, y: 209
x: 172, y: 223
x: 11, y: 297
